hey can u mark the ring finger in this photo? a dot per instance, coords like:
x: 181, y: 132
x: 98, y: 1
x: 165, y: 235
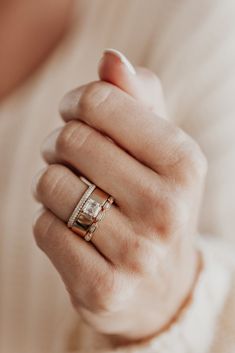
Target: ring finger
x: 59, y: 189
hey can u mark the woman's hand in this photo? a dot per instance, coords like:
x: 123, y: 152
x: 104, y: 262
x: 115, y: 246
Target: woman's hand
x: 141, y: 264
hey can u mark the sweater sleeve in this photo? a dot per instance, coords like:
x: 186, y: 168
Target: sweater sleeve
x: 195, y: 328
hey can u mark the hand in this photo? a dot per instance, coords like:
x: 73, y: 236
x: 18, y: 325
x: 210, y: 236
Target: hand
x: 141, y: 264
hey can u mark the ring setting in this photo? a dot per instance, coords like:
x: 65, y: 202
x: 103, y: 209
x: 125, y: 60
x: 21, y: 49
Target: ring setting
x: 92, y: 208
x: 89, y: 211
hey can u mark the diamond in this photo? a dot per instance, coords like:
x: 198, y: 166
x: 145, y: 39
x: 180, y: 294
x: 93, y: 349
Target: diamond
x: 91, y: 208
x: 107, y: 205
x: 100, y: 216
x: 88, y: 237
x: 92, y: 228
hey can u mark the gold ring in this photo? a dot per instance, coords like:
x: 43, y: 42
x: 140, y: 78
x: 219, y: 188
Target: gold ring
x: 91, y: 230
x: 89, y: 211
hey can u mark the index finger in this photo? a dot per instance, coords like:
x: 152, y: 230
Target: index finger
x: 155, y: 142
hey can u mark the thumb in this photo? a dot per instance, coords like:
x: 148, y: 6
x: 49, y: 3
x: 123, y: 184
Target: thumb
x: 142, y: 84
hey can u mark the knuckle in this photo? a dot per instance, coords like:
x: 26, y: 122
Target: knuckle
x: 41, y: 229
x: 49, y: 181
x: 94, y: 95
x: 170, y: 214
x: 190, y: 163
x: 138, y: 255
x: 72, y: 138
x: 159, y: 207
x: 164, y: 214
x: 161, y: 215
x: 165, y: 211
x: 65, y: 138
x: 148, y: 192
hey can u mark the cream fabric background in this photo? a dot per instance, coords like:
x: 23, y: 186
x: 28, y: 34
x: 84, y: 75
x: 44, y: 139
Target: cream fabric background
x: 191, y: 46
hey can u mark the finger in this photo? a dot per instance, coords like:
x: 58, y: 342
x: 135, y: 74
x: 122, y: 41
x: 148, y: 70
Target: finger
x: 79, y: 264
x: 60, y: 190
x: 101, y: 161
x: 153, y: 141
x: 138, y: 82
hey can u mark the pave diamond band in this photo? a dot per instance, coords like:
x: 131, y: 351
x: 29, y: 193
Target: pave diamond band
x: 89, y: 211
x: 80, y: 204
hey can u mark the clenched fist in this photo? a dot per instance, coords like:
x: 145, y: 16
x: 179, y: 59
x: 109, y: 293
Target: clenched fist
x: 141, y: 264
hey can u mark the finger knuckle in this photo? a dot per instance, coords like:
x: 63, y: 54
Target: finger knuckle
x: 163, y: 215
x: 49, y: 182
x: 94, y: 95
x: 169, y: 214
x: 66, y: 138
x: 138, y: 255
x: 72, y: 138
x: 41, y: 229
x: 156, y: 207
x: 148, y: 192
x: 164, y: 209
x: 189, y: 163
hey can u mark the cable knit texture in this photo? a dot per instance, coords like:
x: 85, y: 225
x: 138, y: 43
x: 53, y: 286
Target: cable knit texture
x: 190, y: 45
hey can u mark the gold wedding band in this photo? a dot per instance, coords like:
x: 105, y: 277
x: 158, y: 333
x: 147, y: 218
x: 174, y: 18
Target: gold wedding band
x: 89, y: 211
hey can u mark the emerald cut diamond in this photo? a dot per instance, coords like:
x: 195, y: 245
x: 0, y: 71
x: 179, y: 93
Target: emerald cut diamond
x: 91, y: 208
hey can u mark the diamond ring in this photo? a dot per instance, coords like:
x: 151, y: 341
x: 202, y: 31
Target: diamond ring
x: 89, y: 211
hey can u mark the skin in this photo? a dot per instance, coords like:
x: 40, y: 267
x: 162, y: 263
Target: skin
x: 133, y: 278
x: 141, y: 264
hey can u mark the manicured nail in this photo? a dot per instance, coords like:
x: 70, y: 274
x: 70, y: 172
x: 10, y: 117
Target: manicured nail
x: 122, y: 58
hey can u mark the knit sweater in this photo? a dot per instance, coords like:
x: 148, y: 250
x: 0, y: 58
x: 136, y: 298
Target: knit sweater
x: 191, y: 47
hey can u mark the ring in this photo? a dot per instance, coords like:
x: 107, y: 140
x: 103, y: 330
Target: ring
x: 89, y: 211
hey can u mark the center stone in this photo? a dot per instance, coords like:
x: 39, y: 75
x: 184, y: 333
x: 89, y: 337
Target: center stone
x: 91, y: 208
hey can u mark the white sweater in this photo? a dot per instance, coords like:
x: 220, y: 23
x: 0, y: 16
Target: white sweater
x: 191, y: 46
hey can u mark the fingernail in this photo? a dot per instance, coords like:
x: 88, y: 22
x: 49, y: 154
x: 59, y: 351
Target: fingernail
x: 122, y: 58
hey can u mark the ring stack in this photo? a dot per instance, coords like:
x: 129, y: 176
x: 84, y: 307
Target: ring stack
x: 89, y: 211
